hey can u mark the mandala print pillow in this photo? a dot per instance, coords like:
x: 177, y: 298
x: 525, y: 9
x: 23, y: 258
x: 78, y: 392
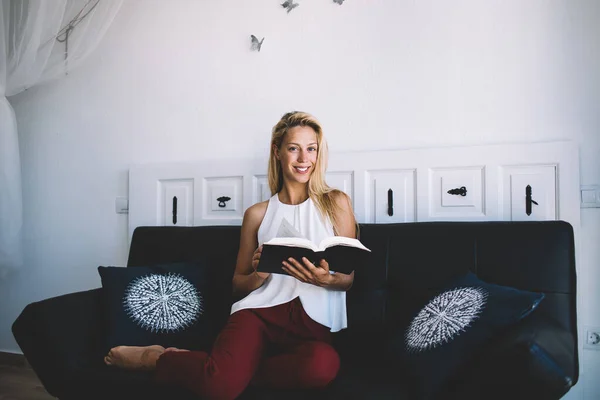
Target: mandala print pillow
x: 453, y: 324
x: 170, y: 305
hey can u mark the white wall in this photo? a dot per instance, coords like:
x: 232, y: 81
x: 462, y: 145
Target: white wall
x: 176, y: 81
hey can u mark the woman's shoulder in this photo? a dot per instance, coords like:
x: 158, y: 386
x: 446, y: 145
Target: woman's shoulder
x: 344, y: 214
x: 341, y: 199
x: 255, y: 213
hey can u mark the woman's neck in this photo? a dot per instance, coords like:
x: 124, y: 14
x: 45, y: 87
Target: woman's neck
x: 293, y: 194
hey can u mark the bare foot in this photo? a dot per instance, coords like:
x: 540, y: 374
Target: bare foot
x: 168, y: 349
x: 131, y: 357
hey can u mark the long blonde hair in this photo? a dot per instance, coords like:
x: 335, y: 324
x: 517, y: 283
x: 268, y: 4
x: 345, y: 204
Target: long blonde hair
x: 321, y: 194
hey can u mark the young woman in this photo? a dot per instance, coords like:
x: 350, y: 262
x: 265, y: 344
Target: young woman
x: 279, y: 333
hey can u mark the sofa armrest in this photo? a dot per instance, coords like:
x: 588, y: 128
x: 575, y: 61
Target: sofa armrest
x: 535, y: 359
x: 61, y: 335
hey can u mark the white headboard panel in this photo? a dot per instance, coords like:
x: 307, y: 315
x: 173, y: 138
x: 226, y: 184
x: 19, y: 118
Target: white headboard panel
x: 538, y: 181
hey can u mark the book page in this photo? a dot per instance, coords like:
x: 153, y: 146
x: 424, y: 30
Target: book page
x: 341, y: 240
x: 287, y: 230
x: 292, y: 242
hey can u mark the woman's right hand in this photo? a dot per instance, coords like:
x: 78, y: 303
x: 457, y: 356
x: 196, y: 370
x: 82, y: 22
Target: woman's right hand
x: 256, y: 260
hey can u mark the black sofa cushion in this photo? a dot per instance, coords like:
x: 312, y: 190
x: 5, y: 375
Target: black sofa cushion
x: 530, y: 357
x: 61, y: 335
x: 446, y: 329
x: 172, y: 305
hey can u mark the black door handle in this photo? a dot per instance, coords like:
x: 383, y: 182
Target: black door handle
x: 458, y: 191
x: 528, y: 200
x: 222, y: 200
x: 390, y: 202
x: 174, y: 210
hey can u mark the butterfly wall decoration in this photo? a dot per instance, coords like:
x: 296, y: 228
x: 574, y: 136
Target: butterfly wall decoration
x: 256, y: 44
x: 289, y: 5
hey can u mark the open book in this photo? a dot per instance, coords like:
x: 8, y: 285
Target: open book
x: 342, y: 253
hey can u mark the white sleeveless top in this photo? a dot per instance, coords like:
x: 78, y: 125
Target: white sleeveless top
x: 327, y: 307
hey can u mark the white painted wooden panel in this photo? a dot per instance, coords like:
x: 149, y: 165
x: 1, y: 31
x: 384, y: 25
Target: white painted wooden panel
x: 495, y: 175
x: 342, y: 180
x: 233, y: 177
x: 175, y: 202
x: 444, y: 186
x: 402, y: 186
x: 223, y: 197
x: 260, y: 189
x: 540, y: 182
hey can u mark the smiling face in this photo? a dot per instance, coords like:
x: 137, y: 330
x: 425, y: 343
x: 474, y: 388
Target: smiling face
x: 298, y: 154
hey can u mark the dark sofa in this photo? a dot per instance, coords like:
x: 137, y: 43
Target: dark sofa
x: 62, y: 337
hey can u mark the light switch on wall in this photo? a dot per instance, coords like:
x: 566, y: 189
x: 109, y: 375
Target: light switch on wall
x: 590, y: 196
x: 121, y: 205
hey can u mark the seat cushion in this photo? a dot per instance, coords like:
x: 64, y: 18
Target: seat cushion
x: 354, y: 382
x: 101, y: 382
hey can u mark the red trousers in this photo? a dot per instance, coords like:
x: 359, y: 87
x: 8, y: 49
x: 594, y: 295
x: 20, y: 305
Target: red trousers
x: 279, y: 347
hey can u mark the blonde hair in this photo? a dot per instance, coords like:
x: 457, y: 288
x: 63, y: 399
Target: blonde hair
x: 321, y: 194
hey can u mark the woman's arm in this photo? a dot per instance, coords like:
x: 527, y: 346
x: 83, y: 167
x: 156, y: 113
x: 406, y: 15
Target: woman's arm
x: 345, y: 216
x: 245, y: 277
x: 346, y: 227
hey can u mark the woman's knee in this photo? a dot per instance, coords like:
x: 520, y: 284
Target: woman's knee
x: 324, y: 364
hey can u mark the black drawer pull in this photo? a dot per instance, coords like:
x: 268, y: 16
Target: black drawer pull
x: 529, y: 200
x: 174, y: 210
x: 222, y: 200
x: 462, y: 191
x: 390, y: 202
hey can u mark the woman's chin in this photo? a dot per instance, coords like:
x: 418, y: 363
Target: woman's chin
x: 300, y: 178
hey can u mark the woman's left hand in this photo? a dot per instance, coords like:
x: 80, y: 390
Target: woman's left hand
x: 308, y: 272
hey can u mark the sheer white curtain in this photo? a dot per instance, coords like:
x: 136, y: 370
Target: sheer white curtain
x: 40, y: 40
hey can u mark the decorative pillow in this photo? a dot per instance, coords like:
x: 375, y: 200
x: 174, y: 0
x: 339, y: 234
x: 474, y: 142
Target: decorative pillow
x: 451, y: 325
x: 173, y: 305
